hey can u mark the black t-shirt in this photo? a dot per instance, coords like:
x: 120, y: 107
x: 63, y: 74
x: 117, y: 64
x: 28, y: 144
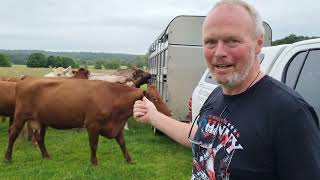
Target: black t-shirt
x: 265, y: 133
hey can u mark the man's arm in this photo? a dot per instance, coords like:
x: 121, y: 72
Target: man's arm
x: 145, y: 112
x: 297, y: 145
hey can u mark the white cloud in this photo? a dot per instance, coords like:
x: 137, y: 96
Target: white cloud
x: 126, y: 26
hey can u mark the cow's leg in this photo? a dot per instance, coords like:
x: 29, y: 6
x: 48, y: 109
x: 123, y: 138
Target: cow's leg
x: 122, y: 144
x: 93, y: 134
x: 11, y: 118
x: 40, y: 139
x: 14, y: 131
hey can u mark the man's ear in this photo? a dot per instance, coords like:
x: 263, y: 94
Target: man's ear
x: 259, y: 45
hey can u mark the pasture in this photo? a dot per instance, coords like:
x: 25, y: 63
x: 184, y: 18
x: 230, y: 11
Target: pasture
x: 156, y: 157
x: 17, y: 70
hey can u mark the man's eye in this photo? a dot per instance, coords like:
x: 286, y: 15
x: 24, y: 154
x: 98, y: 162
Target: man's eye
x: 232, y: 42
x: 210, y: 44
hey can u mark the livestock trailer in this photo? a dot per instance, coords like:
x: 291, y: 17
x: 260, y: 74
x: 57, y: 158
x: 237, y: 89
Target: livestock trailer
x: 176, y: 61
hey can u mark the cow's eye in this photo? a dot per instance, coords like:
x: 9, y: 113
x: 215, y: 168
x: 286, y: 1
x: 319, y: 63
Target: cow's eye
x: 155, y: 99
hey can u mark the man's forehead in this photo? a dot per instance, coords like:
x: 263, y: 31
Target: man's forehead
x: 228, y: 15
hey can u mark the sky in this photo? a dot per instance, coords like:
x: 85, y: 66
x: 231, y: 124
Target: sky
x: 127, y: 26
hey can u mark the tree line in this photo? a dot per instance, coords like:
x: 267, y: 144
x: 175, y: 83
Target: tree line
x: 21, y: 56
x: 101, y: 60
x: 292, y: 38
x: 139, y: 61
x: 38, y: 60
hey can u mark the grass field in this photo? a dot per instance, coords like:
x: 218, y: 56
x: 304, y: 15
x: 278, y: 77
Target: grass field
x: 17, y: 70
x: 156, y: 157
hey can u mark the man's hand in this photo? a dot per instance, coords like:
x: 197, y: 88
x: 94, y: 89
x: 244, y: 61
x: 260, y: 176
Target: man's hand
x: 144, y: 111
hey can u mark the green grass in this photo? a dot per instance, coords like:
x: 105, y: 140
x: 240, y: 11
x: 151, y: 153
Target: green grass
x: 156, y: 157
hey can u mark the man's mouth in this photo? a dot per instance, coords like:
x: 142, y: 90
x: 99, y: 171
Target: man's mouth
x: 222, y: 66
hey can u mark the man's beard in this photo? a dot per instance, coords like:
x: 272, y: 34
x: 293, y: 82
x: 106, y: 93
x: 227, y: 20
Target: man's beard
x: 235, y: 78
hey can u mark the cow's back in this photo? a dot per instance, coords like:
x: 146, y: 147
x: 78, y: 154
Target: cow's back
x: 67, y: 103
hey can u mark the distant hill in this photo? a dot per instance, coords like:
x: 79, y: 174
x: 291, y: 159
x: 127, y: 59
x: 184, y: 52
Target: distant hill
x: 21, y: 56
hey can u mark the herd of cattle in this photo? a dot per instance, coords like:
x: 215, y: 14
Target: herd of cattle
x: 67, y: 98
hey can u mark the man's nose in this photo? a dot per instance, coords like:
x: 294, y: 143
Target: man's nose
x: 220, y: 49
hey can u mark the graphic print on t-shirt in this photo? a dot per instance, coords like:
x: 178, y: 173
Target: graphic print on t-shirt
x: 215, y: 142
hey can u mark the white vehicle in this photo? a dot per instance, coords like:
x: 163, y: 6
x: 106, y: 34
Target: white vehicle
x: 297, y: 65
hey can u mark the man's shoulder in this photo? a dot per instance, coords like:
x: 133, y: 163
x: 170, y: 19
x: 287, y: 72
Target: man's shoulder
x: 214, y: 94
x: 280, y: 95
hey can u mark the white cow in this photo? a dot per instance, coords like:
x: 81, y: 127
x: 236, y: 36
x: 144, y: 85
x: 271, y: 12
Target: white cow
x: 112, y: 78
x: 60, y: 72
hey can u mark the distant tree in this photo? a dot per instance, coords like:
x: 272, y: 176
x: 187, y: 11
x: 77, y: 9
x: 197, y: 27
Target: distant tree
x: 292, y: 38
x: 51, y: 61
x: 37, y: 60
x: 5, y: 61
x: 59, y: 62
x: 62, y: 62
x: 128, y: 64
x: 112, y: 64
x: 77, y: 62
x: 98, y: 64
x: 140, y: 61
x: 83, y: 63
x: 66, y: 62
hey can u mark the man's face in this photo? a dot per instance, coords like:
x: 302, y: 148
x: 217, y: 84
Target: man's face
x: 230, y: 46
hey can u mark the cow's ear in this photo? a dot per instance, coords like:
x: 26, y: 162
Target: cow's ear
x: 68, y: 69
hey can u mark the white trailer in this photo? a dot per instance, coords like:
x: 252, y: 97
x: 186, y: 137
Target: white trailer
x: 176, y: 61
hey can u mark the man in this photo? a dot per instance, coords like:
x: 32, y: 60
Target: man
x: 252, y: 126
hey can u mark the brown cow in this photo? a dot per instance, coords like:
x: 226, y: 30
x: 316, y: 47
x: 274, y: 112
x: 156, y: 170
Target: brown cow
x: 139, y: 76
x: 7, y: 99
x: 101, y: 107
x: 2, y: 78
x: 81, y: 73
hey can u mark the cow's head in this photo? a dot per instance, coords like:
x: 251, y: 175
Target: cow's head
x: 140, y: 76
x: 154, y: 96
x: 81, y: 73
x: 60, y: 72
